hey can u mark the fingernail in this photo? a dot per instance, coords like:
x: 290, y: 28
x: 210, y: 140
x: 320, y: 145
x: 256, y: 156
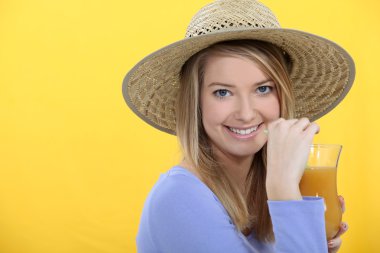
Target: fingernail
x: 344, y: 226
x: 340, y: 196
x: 331, y: 244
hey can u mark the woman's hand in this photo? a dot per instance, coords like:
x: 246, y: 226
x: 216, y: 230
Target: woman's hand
x: 335, y: 243
x: 288, y: 149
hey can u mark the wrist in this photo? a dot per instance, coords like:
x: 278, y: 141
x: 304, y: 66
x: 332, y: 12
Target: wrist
x: 280, y: 191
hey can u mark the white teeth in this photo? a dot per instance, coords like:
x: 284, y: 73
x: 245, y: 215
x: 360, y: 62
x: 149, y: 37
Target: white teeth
x: 243, y: 131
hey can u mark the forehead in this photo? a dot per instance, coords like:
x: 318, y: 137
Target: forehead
x: 232, y: 69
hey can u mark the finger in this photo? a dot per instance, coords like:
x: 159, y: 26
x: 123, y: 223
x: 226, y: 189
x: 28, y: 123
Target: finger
x: 342, y: 229
x: 292, y: 122
x: 312, y: 129
x: 301, y: 124
x: 274, y: 123
x: 282, y: 124
x: 334, y: 244
x: 342, y: 203
x: 319, y: 129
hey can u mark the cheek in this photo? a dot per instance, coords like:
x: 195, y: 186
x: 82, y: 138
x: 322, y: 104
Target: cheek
x: 213, y: 112
x: 210, y: 113
x: 272, y: 108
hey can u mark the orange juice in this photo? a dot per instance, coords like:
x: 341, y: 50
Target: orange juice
x: 321, y: 181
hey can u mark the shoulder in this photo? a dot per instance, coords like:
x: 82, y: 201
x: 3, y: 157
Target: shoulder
x: 182, y: 214
x: 180, y: 189
x: 180, y: 199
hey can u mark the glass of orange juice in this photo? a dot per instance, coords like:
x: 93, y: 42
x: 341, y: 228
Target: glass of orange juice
x: 319, y: 179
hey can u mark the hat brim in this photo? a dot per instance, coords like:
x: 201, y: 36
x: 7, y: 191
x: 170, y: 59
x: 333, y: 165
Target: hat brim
x: 322, y: 73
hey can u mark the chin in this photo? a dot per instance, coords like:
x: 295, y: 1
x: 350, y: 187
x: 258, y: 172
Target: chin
x: 245, y: 153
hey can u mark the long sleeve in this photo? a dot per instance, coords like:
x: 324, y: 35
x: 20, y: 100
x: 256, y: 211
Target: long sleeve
x: 182, y: 214
x: 299, y: 225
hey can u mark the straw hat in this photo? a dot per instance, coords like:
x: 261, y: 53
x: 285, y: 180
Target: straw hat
x: 322, y: 72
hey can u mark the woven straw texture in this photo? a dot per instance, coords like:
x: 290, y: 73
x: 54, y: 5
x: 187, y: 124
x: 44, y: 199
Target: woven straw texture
x: 322, y: 72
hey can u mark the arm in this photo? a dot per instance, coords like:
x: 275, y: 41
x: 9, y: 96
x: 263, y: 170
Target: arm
x: 299, y: 225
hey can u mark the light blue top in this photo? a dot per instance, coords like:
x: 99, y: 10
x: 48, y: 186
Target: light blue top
x: 182, y: 215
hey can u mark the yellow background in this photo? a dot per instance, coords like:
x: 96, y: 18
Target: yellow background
x: 76, y: 164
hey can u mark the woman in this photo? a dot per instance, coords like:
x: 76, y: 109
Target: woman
x: 242, y: 120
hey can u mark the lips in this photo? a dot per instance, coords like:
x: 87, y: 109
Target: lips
x: 244, y: 131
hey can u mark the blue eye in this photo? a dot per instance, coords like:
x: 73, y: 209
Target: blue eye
x: 222, y: 93
x: 264, y: 89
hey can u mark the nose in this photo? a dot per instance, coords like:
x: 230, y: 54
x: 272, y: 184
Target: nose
x: 245, y: 110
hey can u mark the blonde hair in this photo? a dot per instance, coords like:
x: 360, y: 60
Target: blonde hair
x: 248, y: 211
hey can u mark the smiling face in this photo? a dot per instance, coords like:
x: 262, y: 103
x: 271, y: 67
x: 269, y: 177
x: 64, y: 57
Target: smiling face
x: 237, y: 102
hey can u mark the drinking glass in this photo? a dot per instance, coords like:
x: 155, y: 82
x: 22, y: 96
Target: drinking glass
x: 320, y: 179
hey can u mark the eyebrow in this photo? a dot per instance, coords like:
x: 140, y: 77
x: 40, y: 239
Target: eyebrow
x: 231, y: 85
